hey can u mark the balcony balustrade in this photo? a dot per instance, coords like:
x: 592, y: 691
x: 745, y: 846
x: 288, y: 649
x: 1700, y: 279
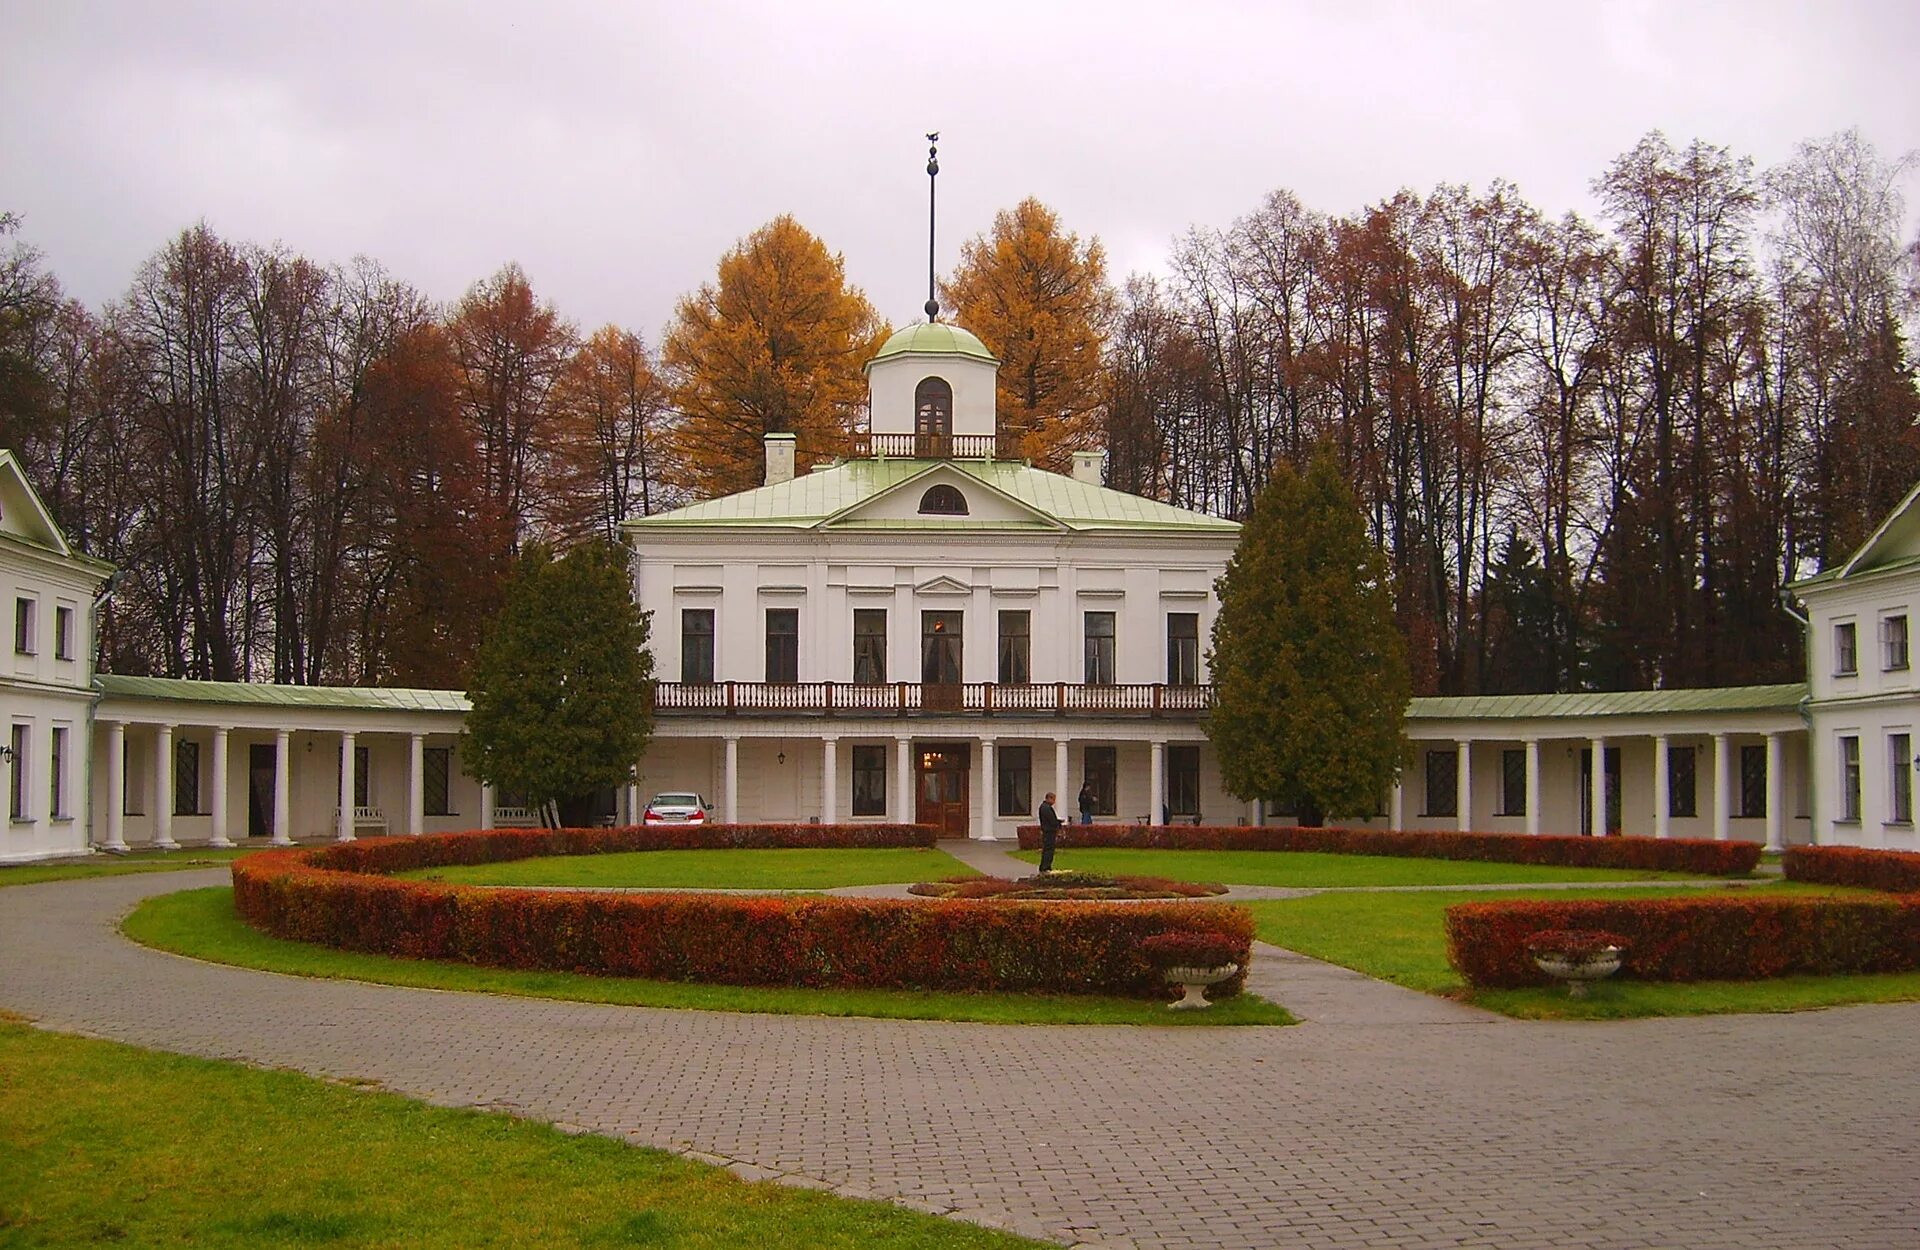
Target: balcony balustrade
x: 905, y: 698
x: 937, y: 446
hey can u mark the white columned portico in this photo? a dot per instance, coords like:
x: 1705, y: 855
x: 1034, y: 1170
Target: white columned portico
x: 1157, y: 783
x: 1396, y: 804
x: 116, y: 786
x: 1597, y: 789
x: 343, y: 817
x: 163, y: 789
x: 282, y: 788
x: 1722, y: 800
x: 903, y: 781
x: 989, y: 791
x: 220, y: 836
x: 1463, y: 787
x: 1662, y: 799
x: 1777, y: 791
x: 730, y: 781
x: 486, y: 805
x: 829, y: 780
x: 416, y: 783
x: 1533, y: 785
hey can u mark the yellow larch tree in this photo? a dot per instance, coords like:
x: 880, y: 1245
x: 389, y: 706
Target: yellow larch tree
x: 1039, y: 298
x: 775, y: 346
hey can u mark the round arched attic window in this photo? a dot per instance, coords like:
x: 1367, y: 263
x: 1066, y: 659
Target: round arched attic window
x: 943, y: 500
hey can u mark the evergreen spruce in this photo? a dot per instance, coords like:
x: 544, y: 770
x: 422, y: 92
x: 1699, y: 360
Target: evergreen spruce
x: 1309, y: 672
x: 561, y: 686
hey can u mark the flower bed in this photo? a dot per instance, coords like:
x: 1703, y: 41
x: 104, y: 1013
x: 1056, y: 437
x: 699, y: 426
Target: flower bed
x: 1695, y: 939
x: 1715, y: 859
x: 1064, y: 885
x: 1897, y: 872
x: 339, y: 896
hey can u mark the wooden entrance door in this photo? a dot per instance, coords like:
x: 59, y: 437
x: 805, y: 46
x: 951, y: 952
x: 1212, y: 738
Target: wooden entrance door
x: 260, y: 766
x: 943, y: 786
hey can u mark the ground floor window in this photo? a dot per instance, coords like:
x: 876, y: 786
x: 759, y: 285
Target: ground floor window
x: 57, y: 775
x: 361, y: 795
x: 436, y: 768
x: 1753, y: 782
x: 186, y: 778
x: 1443, y: 784
x: 1899, y: 778
x: 870, y: 781
x: 17, y: 775
x: 1016, y: 781
x: 1513, y: 783
x: 1682, y: 782
x: 1850, y: 780
x: 1103, y: 776
x: 1183, y: 782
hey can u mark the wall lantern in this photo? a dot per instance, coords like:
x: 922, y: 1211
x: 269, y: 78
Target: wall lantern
x: 6, y: 753
x: 781, y: 758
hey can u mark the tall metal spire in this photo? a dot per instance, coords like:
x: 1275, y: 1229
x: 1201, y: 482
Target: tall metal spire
x: 933, y: 172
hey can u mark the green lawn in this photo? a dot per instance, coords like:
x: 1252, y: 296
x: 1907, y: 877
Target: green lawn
x: 106, y: 1144
x: 202, y: 923
x: 717, y: 869
x: 1318, y: 870
x: 1402, y: 938
x: 120, y: 865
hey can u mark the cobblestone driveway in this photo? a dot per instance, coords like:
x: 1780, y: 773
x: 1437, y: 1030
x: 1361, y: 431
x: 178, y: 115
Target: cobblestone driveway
x: 1385, y: 1121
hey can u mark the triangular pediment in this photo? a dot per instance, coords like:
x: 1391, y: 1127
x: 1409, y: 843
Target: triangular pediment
x: 1897, y: 538
x: 22, y: 514
x: 943, y: 585
x: 904, y: 504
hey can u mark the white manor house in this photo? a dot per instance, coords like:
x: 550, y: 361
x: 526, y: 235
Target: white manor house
x: 930, y: 630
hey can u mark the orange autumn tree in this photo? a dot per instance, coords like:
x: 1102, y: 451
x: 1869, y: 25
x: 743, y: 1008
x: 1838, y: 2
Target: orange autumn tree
x: 1039, y: 298
x: 775, y: 346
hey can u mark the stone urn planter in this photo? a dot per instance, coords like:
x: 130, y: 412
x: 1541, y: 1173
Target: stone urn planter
x: 1578, y: 957
x: 1193, y: 961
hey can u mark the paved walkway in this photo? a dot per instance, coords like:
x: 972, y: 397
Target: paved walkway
x: 1353, y: 1130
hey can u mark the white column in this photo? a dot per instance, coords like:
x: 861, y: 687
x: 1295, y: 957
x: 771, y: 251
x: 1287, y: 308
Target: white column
x: 219, y: 809
x: 730, y: 784
x: 903, y: 781
x: 1777, y: 791
x: 633, y: 802
x: 486, y: 805
x: 1533, y: 785
x: 989, y: 792
x: 416, y: 783
x: 829, y: 780
x: 1597, y: 789
x: 1722, y: 800
x: 163, y: 789
x: 1662, y: 801
x: 1397, y: 804
x: 1463, y: 781
x: 1157, y: 781
x: 282, y: 788
x: 1062, y: 792
x: 343, y: 818
x: 116, y: 786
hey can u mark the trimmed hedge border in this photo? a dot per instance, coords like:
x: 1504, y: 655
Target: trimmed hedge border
x: 1695, y: 939
x: 1897, y: 872
x: 340, y: 896
x: 1708, y: 858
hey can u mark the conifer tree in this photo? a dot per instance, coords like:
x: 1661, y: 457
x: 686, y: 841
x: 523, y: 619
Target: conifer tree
x: 1309, y: 674
x: 561, y: 685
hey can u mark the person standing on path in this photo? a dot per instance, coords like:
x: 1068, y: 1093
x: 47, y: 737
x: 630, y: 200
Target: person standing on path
x: 1086, y: 802
x: 1049, y: 830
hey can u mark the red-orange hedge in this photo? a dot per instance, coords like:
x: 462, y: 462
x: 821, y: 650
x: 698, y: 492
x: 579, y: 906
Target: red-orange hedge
x: 1897, y: 872
x: 1695, y: 939
x: 336, y: 896
x: 1718, y: 859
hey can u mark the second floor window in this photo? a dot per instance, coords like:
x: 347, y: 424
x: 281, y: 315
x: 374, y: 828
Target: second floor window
x: 940, y: 648
x: 1183, y: 648
x: 23, y: 626
x: 1893, y: 642
x: 696, y: 645
x: 1099, y: 648
x: 63, y: 633
x: 783, y: 645
x: 1846, y: 657
x: 1015, y: 636
x: 870, y: 645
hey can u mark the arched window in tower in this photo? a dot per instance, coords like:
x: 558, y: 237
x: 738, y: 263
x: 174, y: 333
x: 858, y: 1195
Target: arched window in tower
x: 932, y: 417
x: 943, y: 500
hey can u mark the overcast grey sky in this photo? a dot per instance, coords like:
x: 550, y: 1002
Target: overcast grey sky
x: 616, y: 149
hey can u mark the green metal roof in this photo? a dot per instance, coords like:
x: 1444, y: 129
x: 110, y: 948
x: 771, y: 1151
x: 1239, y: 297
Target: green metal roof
x: 933, y: 339
x: 1782, y: 698
x: 812, y: 498
x: 355, y: 698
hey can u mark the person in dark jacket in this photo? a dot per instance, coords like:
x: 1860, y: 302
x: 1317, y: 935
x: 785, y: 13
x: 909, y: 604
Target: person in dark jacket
x: 1049, y: 830
x: 1086, y: 802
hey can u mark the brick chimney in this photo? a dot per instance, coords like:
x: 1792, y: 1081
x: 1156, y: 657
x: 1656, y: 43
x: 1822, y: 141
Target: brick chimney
x: 1090, y: 467
x: 780, y: 449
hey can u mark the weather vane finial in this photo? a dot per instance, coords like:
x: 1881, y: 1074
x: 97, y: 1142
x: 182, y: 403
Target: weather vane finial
x: 933, y: 171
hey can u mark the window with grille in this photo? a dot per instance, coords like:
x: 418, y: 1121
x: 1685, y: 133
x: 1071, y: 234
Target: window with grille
x: 1015, y: 630
x: 943, y: 500
x: 362, y: 796
x: 1183, y: 782
x: 1513, y: 783
x: 1682, y: 782
x: 1443, y: 784
x: 783, y: 645
x: 436, y: 777
x: 1183, y: 648
x: 1016, y: 781
x: 186, y: 778
x: 1753, y: 782
x: 696, y: 645
x: 870, y: 645
x: 869, y: 781
x: 933, y: 409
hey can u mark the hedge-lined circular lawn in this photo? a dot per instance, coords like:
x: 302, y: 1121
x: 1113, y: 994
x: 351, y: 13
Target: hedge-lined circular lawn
x: 1328, y: 870
x: 802, y: 868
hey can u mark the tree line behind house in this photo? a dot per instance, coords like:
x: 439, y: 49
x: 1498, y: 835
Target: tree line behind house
x: 1591, y: 451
